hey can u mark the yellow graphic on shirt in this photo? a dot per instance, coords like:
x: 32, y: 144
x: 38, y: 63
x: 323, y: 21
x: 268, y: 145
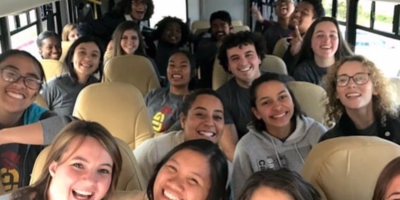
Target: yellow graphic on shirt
x: 9, y: 178
x: 158, y: 120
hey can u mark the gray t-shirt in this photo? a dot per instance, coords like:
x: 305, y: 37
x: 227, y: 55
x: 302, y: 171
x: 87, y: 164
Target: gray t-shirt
x: 163, y: 108
x: 61, y: 93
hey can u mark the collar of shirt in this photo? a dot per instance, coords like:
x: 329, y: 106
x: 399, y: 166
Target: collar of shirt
x: 129, y: 18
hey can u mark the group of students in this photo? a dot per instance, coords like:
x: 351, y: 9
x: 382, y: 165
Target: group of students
x: 263, y: 135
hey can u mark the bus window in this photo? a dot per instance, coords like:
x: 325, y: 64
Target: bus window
x: 179, y: 10
x: 368, y: 44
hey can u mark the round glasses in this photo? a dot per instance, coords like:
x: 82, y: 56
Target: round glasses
x: 359, y: 79
x: 10, y: 75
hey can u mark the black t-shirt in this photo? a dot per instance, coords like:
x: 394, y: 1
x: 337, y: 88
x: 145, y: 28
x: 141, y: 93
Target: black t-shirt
x: 309, y: 71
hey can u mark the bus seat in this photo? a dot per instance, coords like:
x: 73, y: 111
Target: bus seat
x: 65, y: 45
x: 200, y: 24
x: 348, y: 167
x: 311, y: 99
x: 199, y: 31
x: 132, y: 69
x: 52, y: 68
x: 129, y: 179
x: 273, y: 63
x: 40, y: 101
x: 237, y: 29
x: 237, y: 22
x: 117, y: 106
x: 2, y: 190
x: 396, y: 86
x: 281, y: 47
x: 219, y: 75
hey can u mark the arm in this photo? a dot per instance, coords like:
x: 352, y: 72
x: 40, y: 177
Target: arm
x: 147, y: 159
x: 242, y: 170
x: 229, y: 140
x: 40, y: 133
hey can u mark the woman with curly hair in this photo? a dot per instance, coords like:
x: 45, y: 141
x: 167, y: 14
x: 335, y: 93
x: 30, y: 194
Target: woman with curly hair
x: 171, y: 33
x: 361, y: 101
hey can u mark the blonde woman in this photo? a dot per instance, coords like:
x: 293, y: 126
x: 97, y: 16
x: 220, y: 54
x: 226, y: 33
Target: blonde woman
x: 84, y: 162
x: 361, y: 101
x: 70, y: 33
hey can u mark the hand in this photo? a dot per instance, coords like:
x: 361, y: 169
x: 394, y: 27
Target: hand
x: 257, y: 14
x: 296, y: 42
x: 110, y: 46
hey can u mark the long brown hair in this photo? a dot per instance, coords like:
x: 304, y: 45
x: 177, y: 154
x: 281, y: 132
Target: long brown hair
x: 119, y: 32
x: 75, y: 130
x: 385, y: 178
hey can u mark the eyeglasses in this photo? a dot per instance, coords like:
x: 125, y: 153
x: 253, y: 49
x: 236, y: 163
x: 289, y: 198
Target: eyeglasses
x: 12, y: 76
x: 359, y: 79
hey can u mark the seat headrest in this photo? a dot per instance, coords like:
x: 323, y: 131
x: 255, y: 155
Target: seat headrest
x: 274, y: 64
x: 311, y: 98
x: 52, y: 68
x: 129, y: 179
x: 132, y: 69
x: 348, y: 167
x: 117, y: 106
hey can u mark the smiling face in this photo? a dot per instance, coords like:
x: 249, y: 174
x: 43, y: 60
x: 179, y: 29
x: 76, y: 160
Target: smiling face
x: 205, y: 119
x: 138, y: 9
x: 83, y: 172
x: 354, y: 96
x: 178, y: 70
x: 244, y: 63
x: 220, y: 29
x: 129, y: 42
x: 325, y: 42
x: 284, y: 8
x: 185, y: 176
x: 73, y: 35
x: 172, y: 33
x: 274, y: 105
x: 15, y: 97
x: 86, y: 59
x: 50, y: 48
x: 303, y: 16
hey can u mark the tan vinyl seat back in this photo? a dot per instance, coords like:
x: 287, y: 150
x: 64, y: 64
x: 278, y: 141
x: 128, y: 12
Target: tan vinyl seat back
x: 132, y: 69
x: 237, y: 29
x: 65, y: 45
x: 198, y: 32
x: 40, y: 101
x: 219, y: 76
x: 348, y: 167
x: 117, y: 106
x: 2, y: 190
x: 311, y: 98
x: 200, y: 24
x: 273, y: 63
x: 281, y: 47
x: 237, y: 22
x: 396, y: 86
x: 129, y: 179
x: 52, y: 68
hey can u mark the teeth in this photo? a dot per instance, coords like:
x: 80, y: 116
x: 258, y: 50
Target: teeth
x: 176, y: 76
x: 82, y: 192
x: 208, y: 134
x: 279, y: 116
x: 325, y: 47
x: 245, y: 69
x: 220, y: 34
x: 170, y: 196
x: 353, y: 95
x: 15, y: 95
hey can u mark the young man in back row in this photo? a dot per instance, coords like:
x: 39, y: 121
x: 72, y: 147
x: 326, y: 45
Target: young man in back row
x: 240, y: 54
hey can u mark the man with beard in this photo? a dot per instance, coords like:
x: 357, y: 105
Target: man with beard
x: 221, y: 26
x: 273, y: 31
x: 125, y: 10
x: 305, y: 13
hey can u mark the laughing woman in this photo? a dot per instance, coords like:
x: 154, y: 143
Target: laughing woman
x: 280, y: 136
x: 168, y: 101
x: 24, y: 126
x: 84, y: 59
x: 361, y: 101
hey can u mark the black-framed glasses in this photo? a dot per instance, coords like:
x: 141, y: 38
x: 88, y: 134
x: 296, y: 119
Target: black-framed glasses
x: 359, y: 79
x: 12, y: 76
